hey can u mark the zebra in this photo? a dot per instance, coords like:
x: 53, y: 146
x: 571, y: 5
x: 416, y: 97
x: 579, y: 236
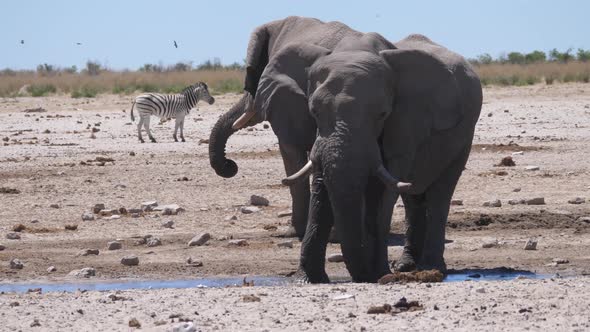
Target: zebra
x: 169, y: 106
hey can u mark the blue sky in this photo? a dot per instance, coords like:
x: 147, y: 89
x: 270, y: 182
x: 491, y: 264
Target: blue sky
x: 129, y: 33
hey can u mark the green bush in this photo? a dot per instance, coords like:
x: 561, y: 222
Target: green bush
x: 85, y: 92
x: 225, y: 86
x: 38, y: 90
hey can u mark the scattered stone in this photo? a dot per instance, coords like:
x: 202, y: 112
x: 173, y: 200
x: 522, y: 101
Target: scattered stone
x: 34, y: 221
x: 250, y: 298
x: 88, y: 252
x: 113, y: 217
x: 135, y: 215
x: 14, y: 304
x: 249, y: 209
x: 270, y: 228
x: 86, y: 272
x: 493, y: 203
x: 536, y: 201
x: 507, y: 162
x: 108, y: 212
x: 71, y: 227
x: 231, y: 218
x: 199, y: 240
x: 182, y: 179
x: 258, y: 200
x: 54, y: 206
x: 483, y: 220
x: 404, y: 305
x: 516, y: 190
x: 238, y: 242
x: 130, y: 260
x: 132, y: 153
x: 381, y: 309
x: 120, y: 186
x: 577, y: 200
x: 184, y: 327
x: 480, y: 290
x: 168, y: 224
x: 114, y: 245
x: 169, y: 210
x: 456, y: 202
x: 414, y: 276
x: 532, y: 168
x: 531, y: 244
x: 87, y: 216
x: 51, y: 269
x: 516, y: 201
x: 148, y: 206
x: 19, y: 228
x: 133, y: 322
x: 490, y: 244
x: 133, y: 210
x: 560, y: 261
x: 285, y: 244
x: 35, y: 323
x: 584, y: 220
x: 98, y: 207
x: 154, y: 242
x: 195, y: 263
x: 5, y: 190
x: 2, y: 247
x: 13, y: 236
x: 335, y: 258
x: 16, y: 264
x: 285, y: 213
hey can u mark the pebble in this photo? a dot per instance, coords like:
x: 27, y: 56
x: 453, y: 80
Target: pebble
x: 238, y: 242
x: 130, y: 260
x: 135, y: 215
x: 51, y: 269
x: 480, y: 290
x: 86, y: 272
x: 88, y: 252
x: 507, y: 161
x: 536, y: 201
x: 120, y: 186
x: 108, y: 212
x: 133, y: 322
x: 133, y: 210
x: 16, y: 264
x: 154, y: 242
x: 516, y: 190
x: 169, y: 210
x: 456, y: 202
x: 532, y: 168
x: 168, y: 224
x: 258, y: 200
x: 191, y: 262
x: 531, y: 244
x: 584, y: 219
x: 577, y: 200
x: 54, y: 206
x: 35, y: 323
x: 114, y: 245
x: 2, y: 247
x: 249, y: 209
x: 199, y: 240
x: 34, y: 221
x: 113, y: 217
x: 184, y: 327
x: 87, y: 216
x: 494, y: 203
x: 516, y: 201
x: 231, y: 218
x: 285, y: 244
x: 560, y: 261
x: 148, y: 206
x: 98, y: 207
x: 285, y: 213
x: 490, y: 244
x: 335, y: 258
x: 13, y: 236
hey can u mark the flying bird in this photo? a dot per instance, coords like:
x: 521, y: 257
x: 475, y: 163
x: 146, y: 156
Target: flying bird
x: 22, y: 41
x: 78, y: 43
x: 175, y: 45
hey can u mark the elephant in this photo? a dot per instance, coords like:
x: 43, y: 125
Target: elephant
x: 287, y: 111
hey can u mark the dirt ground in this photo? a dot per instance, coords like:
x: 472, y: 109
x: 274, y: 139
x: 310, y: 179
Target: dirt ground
x: 50, y: 159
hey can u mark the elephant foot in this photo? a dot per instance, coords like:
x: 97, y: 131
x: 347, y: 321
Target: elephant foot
x: 405, y: 263
x: 153, y: 140
x: 175, y: 139
x: 182, y: 139
x: 141, y: 141
x: 301, y: 277
x: 433, y: 265
x: 334, y: 237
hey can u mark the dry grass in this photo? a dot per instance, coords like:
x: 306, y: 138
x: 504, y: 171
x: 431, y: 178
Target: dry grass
x: 544, y: 72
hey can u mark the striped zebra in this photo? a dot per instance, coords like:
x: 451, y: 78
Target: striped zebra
x: 169, y: 106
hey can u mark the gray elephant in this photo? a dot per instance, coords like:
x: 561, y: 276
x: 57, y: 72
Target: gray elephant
x: 286, y: 111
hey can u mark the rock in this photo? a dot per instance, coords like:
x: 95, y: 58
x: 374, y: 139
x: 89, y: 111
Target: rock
x: 135, y: 215
x: 87, y: 216
x: 35, y: 323
x: 480, y: 290
x: 382, y: 309
x: 285, y: 244
x: 560, y: 261
x: 34, y: 221
x: 133, y: 322
x: 238, y: 242
x: 249, y: 209
x: 51, y: 269
x: 120, y: 186
x: 98, y: 207
x: 108, y: 212
x: 131, y: 260
x: 535, y: 201
x: 184, y: 327
x: 258, y: 200
x: 113, y: 217
x: 168, y: 224
x: 86, y: 272
x: 2, y: 247
x: 199, y: 240
x: 516, y: 201
x: 584, y: 220
x: 250, y: 298
x: 483, y: 220
x: 335, y: 258
x: 494, y: 203
x: 54, y: 206
x: 132, y: 153
x: 19, y: 228
x: 114, y: 245
x: 507, y: 162
x: 516, y: 190
x: 577, y: 200
x: 13, y: 236
x: 456, y: 202
x: 490, y: 244
x: 169, y: 210
x: 88, y: 252
x: 148, y: 206
x: 531, y: 244
x: 285, y: 213
x: 123, y: 210
x: 231, y: 218
x: 532, y: 168
x: 154, y: 242
x: 133, y: 210
x: 16, y: 264
x: 195, y: 263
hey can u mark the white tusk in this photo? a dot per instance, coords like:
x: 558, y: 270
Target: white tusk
x: 242, y: 120
x: 303, y: 172
x: 392, y: 182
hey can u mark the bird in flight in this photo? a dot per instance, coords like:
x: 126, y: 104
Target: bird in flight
x: 78, y: 43
x: 175, y: 45
x: 22, y: 41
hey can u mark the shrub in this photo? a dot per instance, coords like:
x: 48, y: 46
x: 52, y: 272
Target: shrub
x: 535, y: 56
x: 93, y: 68
x: 38, y: 90
x: 228, y: 85
x: 583, y: 55
x: 85, y: 92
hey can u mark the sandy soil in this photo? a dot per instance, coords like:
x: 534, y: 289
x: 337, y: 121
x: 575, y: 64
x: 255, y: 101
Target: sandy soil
x: 42, y: 159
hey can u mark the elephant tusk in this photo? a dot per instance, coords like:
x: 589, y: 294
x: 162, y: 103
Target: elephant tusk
x: 242, y: 120
x: 391, y: 181
x: 303, y: 172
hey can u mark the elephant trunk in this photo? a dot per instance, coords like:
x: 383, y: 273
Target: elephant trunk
x: 220, y: 133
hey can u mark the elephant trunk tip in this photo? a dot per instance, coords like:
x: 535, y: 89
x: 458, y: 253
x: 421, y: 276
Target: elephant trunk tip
x: 228, y: 170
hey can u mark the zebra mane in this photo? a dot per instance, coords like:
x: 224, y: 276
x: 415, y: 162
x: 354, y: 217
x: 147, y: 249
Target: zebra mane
x: 190, y: 95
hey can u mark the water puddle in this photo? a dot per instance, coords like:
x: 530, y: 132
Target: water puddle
x: 453, y: 276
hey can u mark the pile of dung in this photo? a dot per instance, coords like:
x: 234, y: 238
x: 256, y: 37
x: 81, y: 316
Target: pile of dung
x: 414, y: 276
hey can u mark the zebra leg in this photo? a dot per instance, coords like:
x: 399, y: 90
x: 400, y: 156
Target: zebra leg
x: 139, y: 124
x: 182, y: 130
x: 146, y: 124
x: 176, y: 125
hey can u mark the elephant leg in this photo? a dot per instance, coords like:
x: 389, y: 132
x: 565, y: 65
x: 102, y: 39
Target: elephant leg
x: 294, y: 159
x: 379, y: 209
x: 415, y: 206
x: 313, y: 247
x: 438, y: 201
x: 139, y: 124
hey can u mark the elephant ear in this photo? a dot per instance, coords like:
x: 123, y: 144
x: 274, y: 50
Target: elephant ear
x: 426, y: 84
x: 281, y: 94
